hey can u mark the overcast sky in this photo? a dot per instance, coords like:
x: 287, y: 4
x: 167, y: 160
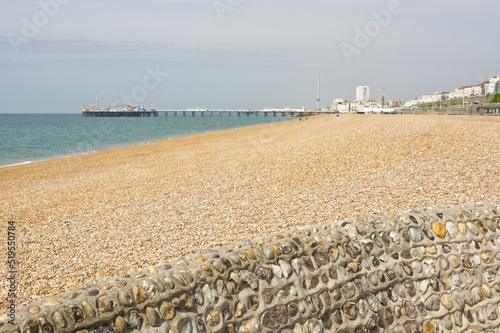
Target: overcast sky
x: 56, y: 54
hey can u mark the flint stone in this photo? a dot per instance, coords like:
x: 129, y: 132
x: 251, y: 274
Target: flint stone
x: 296, y: 266
x: 416, y: 235
x: 350, y: 310
x: 286, y: 268
x: 432, y: 303
x: 263, y: 273
x: 410, y: 310
x: 352, y: 250
x: 349, y: 290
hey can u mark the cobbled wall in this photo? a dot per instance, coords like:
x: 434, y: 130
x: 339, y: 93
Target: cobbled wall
x: 429, y: 270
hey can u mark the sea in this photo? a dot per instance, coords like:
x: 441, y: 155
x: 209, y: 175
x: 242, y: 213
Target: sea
x: 27, y: 138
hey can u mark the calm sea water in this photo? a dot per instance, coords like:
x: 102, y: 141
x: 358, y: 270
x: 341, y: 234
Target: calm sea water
x: 26, y: 138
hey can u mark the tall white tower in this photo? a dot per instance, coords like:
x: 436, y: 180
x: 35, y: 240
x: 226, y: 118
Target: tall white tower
x: 362, y: 94
x: 317, y: 94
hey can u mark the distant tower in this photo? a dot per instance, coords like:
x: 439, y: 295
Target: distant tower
x: 362, y: 94
x: 381, y: 95
x: 317, y: 95
x: 96, y: 101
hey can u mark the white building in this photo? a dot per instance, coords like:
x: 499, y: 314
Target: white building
x: 456, y: 94
x: 478, y: 90
x: 285, y: 109
x: 493, y: 86
x: 345, y: 108
x: 427, y: 98
x: 378, y: 110
x: 339, y: 101
x: 442, y: 95
x: 469, y: 91
x: 362, y: 93
x: 341, y: 105
x: 411, y: 102
x: 460, y: 93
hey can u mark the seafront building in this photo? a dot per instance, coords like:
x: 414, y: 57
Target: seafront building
x: 362, y: 93
x: 492, y: 86
x: 396, y: 103
x: 381, y: 96
x: 479, y: 93
x: 363, y: 103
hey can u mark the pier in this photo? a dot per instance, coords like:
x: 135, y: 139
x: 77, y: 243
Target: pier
x: 107, y: 113
x: 203, y: 113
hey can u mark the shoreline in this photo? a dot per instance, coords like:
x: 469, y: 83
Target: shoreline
x: 85, y: 218
x: 56, y: 156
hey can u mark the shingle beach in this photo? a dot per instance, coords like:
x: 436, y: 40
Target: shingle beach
x: 82, y: 219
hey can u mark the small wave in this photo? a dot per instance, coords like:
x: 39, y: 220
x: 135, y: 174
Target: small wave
x: 21, y: 163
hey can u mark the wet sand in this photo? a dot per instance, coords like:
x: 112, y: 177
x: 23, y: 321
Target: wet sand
x: 84, y: 218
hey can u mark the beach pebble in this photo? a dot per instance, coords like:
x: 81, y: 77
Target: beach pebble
x: 93, y: 217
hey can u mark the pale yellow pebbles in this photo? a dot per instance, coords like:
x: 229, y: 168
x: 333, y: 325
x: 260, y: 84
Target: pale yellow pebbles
x: 82, y: 219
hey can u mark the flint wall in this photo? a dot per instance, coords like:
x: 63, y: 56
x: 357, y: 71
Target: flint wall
x: 428, y: 270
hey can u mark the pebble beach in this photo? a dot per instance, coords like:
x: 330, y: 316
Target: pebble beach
x: 84, y: 218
